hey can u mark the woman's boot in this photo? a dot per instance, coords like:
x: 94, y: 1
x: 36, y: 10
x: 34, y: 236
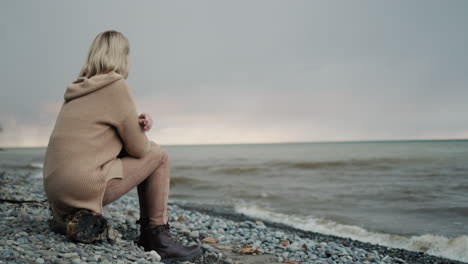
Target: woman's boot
x: 159, y: 239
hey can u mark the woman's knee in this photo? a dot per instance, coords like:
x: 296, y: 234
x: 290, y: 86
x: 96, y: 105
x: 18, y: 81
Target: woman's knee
x: 160, y: 154
x: 164, y: 156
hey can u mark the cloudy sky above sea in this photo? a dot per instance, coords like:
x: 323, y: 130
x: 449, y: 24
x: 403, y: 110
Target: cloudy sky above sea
x: 248, y: 71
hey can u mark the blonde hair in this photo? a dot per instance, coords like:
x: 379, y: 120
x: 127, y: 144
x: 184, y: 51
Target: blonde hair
x: 108, y: 52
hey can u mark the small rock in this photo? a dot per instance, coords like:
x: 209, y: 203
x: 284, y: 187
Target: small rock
x: 194, y: 234
x: 154, y: 255
x: 70, y: 255
x: 185, y: 231
x: 209, y: 240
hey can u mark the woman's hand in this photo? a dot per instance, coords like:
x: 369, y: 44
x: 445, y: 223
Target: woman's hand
x: 145, y: 121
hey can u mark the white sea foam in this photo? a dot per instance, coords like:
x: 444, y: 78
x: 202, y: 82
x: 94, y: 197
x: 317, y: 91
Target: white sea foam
x: 36, y: 165
x: 453, y: 248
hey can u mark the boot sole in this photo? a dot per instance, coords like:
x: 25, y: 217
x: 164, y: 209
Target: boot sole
x: 176, y: 260
x: 86, y: 227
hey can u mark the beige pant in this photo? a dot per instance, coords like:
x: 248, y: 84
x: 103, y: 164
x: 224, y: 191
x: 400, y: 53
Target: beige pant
x: 151, y: 175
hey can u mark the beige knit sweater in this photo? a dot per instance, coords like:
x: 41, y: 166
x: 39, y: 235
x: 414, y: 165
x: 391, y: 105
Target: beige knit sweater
x: 97, y: 119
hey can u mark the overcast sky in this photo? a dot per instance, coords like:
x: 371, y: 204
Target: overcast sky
x: 248, y: 71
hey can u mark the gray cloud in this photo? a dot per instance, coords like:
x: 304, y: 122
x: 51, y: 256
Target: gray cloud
x: 249, y: 71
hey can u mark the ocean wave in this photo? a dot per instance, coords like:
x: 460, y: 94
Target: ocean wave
x: 183, y: 180
x: 267, y: 195
x: 453, y: 248
x: 202, y: 186
x: 381, y: 163
x: 261, y: 167
x: 191, y: 167
x: 37, y: 165
x: 182, y: 195
x: 236, y: 169
x: 460, y: 187
x: 239, y: 170
x: 31, y: 165
x: 463, y: 211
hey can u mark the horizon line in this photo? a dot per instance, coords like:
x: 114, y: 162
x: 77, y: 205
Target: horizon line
x: 289, y: 142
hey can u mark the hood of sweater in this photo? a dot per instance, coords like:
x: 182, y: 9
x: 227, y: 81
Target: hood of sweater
x: 83, y: 85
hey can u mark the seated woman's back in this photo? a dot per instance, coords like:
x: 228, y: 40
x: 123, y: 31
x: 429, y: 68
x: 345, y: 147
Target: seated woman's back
x: 97, y: 119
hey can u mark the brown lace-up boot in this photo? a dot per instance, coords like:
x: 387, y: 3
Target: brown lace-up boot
x: 159, y: 239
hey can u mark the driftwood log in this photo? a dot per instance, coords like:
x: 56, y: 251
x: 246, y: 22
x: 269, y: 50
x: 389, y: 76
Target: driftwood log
x: 84, y: 226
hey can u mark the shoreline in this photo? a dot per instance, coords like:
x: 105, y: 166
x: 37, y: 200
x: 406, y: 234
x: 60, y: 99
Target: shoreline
x: 226, y: 237
x: 407, y: 255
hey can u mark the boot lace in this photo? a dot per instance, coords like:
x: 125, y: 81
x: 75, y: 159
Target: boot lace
x: 166, y: 227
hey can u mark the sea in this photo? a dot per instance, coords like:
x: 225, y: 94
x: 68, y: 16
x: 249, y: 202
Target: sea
x: 404, y: 194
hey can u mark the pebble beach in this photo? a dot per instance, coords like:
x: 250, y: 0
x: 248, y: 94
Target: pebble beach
x: 225, y: 237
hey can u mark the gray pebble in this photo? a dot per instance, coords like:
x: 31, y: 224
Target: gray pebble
x: 194, y: 234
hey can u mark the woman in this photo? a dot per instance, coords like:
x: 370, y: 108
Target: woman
x: 98, y: 151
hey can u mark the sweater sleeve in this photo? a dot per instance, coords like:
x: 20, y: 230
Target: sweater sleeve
x: 133, y: 136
